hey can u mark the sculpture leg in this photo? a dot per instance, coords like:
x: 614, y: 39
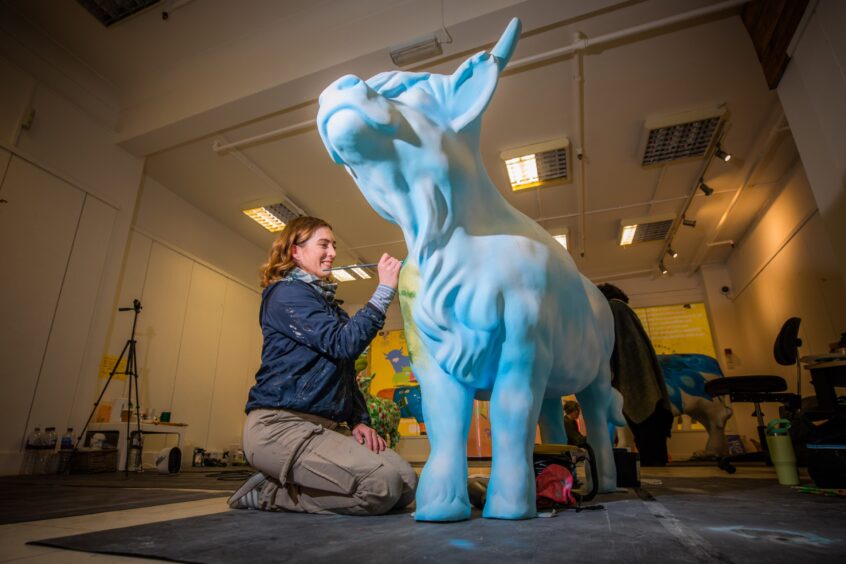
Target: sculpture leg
x: 600, y: 405
x: 713, y: 415
x: 551, y: 422
x: 442, y: 490
x: 514, y: 410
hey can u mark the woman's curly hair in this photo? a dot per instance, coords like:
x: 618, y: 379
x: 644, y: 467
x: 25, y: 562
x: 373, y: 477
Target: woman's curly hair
x: 281, y: 260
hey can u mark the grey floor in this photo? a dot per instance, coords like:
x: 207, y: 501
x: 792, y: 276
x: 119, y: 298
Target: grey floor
x: 680, y: 514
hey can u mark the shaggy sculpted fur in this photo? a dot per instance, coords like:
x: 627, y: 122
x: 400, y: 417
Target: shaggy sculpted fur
x: 493, y: 307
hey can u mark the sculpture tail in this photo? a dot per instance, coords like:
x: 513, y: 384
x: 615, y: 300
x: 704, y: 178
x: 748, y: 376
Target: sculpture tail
x: 615, y: 409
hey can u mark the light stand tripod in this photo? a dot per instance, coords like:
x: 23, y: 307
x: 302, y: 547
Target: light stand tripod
x: 131, y: 371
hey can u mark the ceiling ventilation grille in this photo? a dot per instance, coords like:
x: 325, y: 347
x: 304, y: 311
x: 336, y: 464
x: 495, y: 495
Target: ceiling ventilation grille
x: 110, y: 12
x: 539, y: 164
x: 552, y: 165
x: 643, y: 229
x: 273, y: 217
x: 680, y: 136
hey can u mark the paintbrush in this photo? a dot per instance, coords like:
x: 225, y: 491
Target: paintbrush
x: 350, y: 267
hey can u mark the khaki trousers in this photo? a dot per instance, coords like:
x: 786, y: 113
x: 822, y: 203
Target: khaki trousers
x: 311, y: 468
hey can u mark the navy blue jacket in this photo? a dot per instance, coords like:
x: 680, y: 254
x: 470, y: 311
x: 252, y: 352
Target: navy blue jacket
x: 309, y: 352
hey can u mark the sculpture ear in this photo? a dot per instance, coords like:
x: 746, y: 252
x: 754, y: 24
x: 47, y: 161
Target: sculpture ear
x: 473, y: 84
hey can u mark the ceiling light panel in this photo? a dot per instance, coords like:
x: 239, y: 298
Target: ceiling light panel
x: 363, y: 274
x: 109, y: 12
x: 643, y: 229
x: 272, y: 217
x: 538, y: 164
x: 680, y: 136
x: 416, y: 52
x: 343, y: 276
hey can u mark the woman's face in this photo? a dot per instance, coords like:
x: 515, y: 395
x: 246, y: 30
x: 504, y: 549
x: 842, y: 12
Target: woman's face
x: 317, y: 254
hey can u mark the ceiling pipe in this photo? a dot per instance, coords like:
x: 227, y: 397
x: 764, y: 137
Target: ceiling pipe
x: 777, y: 128
x: 613, y: 208
x: 579, y: 135
x: 624, y: 33
x: 579, y: 45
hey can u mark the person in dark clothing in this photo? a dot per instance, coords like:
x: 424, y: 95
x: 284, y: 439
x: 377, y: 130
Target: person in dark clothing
x: 638, y: 377
x: 306, y: 387
x: 572, y: 411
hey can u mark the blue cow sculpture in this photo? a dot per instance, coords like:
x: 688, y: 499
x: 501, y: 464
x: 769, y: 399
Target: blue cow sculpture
x: 685, y: 376
x: 493, y: 307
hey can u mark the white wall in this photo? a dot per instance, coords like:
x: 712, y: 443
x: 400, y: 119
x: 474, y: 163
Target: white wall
x: 812, y: 92
x: 71, y: 194
x: 199, y: 342
x: 784, y: 267
x: 168, y: 218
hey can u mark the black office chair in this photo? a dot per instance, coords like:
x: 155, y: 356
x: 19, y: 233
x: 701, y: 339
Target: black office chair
x: 763, y: 389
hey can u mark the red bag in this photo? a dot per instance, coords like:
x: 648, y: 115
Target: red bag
x: 554, y: 487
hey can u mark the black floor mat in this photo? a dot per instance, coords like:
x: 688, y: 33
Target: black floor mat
x: 679, y: 520
x: 32, y: 498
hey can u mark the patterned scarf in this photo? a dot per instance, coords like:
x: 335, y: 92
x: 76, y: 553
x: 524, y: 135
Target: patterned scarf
x: 324, y: 286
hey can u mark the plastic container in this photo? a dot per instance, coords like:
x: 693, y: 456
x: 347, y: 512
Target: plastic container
x: 136, y: 448
x: 48, y: 461
x: 781, y: 452
x: 65, y: 450
x: 33, y: 446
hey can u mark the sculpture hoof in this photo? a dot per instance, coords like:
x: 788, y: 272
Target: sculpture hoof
x: 442, y: 511
x: 504, y: 510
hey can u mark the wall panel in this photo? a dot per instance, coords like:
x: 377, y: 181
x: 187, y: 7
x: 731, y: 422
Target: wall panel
x: 60, y: 374
x: 37, y: 228
x: 195, y: 373
x: 160, y: 325
x: 238, y: 358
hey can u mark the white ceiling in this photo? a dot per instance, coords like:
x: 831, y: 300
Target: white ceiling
x: 218, y: 70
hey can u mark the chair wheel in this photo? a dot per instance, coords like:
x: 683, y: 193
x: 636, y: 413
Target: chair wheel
x: 727, y: 466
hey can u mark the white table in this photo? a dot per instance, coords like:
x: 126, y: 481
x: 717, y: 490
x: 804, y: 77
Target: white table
x: 147, y: 428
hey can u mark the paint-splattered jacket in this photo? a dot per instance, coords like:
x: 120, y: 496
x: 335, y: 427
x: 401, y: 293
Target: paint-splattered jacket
x: 309, y: 351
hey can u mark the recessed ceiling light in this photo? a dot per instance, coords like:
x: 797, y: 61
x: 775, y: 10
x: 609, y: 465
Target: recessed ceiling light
x: 272, y: 217
x: 363, y: 274
x: 685, y: 135
x: 563, y: 237
x: 643, y: 229
x: 536, y: 165
x: 343, y: 276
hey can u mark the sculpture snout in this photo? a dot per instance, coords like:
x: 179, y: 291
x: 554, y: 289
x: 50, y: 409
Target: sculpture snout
x: 359, y: 108
x: 346, y: 81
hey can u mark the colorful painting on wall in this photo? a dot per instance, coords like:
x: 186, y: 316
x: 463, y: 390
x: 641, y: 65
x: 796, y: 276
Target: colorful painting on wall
x: 390, y: 361
x: 679, y: 328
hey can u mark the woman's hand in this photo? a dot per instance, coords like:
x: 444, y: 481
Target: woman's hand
x: 366, y: 436
x: 389, y: 269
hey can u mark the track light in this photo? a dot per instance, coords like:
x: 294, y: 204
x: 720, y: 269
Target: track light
x: 672, y: 252
x: 688, y: 222
x: 707, y: 190
x: 662, y: 267
x: 720, y: 154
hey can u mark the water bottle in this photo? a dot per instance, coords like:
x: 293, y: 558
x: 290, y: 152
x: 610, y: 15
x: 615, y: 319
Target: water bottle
x: 781, y: 452
x: 33, y: 442
x: 66, y: 450
x: 136, y: 447
x: 46, y: 452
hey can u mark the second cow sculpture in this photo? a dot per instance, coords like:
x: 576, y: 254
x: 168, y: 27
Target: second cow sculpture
x: 493, y: 307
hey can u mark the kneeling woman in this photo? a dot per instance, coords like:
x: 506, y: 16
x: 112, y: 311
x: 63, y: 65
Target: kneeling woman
x: 306, y: 387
